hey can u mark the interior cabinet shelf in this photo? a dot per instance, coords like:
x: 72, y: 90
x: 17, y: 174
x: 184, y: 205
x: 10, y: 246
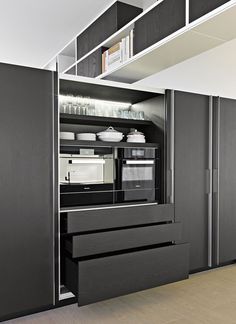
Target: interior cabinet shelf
x: 102, y: 121
x: 70, y: 143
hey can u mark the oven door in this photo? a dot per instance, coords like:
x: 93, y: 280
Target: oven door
x: 137, y: 180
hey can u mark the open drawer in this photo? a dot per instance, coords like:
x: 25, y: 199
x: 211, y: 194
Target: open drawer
x: 122, y: 239
x: 90, y: 219
x: 111, y: 276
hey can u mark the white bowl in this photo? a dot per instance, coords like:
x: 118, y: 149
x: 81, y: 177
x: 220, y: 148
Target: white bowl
x: 136, y: 136
x: 136, y: 140
x: 110, y: 134
x: 110, y: 139
x: 67, y: 136
x: 86, y: 137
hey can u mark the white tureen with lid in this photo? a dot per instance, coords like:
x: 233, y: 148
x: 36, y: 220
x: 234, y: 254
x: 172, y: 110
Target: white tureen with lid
x: 110, y: 135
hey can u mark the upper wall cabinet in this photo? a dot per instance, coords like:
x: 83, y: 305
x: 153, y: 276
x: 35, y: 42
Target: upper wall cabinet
x: 127, y: 45
x: 118, y: 15
x: 158, y: 23
x: 198, y: 8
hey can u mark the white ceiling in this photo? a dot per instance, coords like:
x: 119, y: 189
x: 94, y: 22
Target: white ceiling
x: 32, y: 32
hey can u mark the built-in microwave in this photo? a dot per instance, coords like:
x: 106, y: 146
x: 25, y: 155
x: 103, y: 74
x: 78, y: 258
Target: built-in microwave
x: 87, y: 177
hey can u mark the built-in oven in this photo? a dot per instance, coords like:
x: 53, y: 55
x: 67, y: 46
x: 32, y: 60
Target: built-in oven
x: 86, y: 177
x: 138, y: 175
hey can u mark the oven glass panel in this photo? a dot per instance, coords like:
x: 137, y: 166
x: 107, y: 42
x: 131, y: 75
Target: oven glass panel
x: 137, y: 173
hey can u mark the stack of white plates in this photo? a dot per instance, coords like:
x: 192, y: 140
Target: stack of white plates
x: 86, y: 137
x: 67, y: 136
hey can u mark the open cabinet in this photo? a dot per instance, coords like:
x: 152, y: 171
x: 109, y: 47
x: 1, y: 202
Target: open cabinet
x: 105, y: 235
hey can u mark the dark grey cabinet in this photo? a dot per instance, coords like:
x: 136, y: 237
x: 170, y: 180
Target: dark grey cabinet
x: 118, y: 15
x: 92, y: 65
x: 26, y: 187
x: 224, y: 180
x: 191, y: 152
x: 158, y: 23
x: 198, y: 8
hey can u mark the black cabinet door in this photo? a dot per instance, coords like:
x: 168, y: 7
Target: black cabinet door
x: 26, y: 189
x: 92, y: 65
x: 191, y: 150
x: 160, y: 22
x: 224, y: 180
x: 113, y: 19
x: 198, y: 8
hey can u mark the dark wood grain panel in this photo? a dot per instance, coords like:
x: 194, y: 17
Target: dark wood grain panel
x: 227, y: 180
x: 92, y: 65
x: 26, y: 186
x: 158, y: 23
x: 97, y: 243
x: 88, y: 220
x: 118, y: 15
x: 117, y: 275
x: 198, y: 8
x: 191, y: 162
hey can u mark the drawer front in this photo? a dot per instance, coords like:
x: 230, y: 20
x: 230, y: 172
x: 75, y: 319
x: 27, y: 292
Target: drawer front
x: 198, y: 8
x: 103, y: 278
x: 105, y: 218
x: 90, y: 244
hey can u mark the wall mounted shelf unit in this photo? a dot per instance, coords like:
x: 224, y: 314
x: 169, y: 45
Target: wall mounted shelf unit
x: 205, y: 25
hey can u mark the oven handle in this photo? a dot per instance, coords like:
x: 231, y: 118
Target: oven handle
x: 139, y: 162
x: 89, y: 161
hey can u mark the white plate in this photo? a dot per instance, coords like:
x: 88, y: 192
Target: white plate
x: 67, y: 136
x: 86, y: 137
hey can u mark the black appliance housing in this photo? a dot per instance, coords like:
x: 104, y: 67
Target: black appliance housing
x: 138, y: 175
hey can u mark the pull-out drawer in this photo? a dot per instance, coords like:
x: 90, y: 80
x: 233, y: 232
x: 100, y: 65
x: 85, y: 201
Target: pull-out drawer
x: 115, y: 216
x: 107, y: 277
x: 91, y: 244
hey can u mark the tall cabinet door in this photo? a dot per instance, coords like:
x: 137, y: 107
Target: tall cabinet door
x: 192, y: 173
x: 26, y: 189
x: 224, y: 180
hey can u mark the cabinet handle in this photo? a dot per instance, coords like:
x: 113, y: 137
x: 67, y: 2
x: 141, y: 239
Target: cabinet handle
x: 208, y: 181
x: 215, y: 180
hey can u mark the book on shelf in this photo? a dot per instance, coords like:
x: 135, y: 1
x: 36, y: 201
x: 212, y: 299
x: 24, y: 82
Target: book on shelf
x: 118, y: 53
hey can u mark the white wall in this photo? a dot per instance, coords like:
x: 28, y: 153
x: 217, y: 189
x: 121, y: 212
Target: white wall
x: 213, y: 73
x: 148, y: 3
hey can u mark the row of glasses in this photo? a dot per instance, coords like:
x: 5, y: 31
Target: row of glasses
x: 78, y: 105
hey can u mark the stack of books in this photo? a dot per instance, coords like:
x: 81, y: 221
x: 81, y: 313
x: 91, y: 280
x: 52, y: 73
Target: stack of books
x: 118, y: 53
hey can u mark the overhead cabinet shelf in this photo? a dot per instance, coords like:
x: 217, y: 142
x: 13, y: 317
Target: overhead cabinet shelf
x: 164, y: 35
x: 204, y: 34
